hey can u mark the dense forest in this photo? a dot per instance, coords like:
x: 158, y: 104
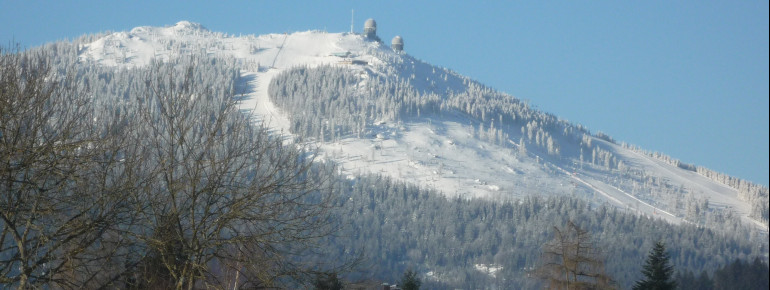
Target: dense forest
x: 738, y: 274
x: 398, y: 226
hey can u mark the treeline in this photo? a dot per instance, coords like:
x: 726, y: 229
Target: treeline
x: 758, y: 196
x: 398, y: 225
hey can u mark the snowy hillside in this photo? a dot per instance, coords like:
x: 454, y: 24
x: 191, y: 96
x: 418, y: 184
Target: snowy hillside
x: 469, y: 147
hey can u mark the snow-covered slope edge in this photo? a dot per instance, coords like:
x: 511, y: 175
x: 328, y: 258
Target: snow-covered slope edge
x: 439, y: 150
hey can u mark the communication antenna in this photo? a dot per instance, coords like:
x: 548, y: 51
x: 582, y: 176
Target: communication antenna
x: 352, y: 13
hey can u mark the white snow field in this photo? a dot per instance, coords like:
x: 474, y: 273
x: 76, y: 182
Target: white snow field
x: 434, y: 152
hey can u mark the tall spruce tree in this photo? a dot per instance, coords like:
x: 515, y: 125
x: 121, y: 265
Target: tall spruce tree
x: 410, y: 281
x: 658, y: 273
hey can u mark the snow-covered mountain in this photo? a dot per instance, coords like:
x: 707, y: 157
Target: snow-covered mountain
x: 477, y: 143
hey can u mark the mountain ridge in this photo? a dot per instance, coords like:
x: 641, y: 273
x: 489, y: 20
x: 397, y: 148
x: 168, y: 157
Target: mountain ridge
x: 449, y: 148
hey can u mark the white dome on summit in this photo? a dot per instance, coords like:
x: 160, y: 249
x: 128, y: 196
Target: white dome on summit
x: 370, y: 29
x: 397, y: 43
x: 370, y: 23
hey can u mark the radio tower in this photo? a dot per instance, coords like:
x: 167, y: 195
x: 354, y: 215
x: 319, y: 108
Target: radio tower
x: 352, y: 13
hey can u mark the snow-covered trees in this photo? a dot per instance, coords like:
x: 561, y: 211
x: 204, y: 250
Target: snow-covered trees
x: 758, y: 196
x: 695, y: 207
x: 331, y: 102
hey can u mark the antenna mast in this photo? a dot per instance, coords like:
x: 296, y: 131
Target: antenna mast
x: 352, y: 13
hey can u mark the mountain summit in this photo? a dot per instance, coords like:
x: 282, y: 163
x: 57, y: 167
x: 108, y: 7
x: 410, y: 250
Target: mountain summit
x: 372, y: 109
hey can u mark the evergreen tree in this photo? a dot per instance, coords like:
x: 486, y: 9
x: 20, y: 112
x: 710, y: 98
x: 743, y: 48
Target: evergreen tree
x: 658, y: 274
x: 327, y: 281
x: 410, y: 281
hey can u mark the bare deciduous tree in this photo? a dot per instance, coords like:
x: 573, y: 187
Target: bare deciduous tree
x: 226, y: 202
x: 59, y: 200
x: 571, y: 261
x: 179, y: 190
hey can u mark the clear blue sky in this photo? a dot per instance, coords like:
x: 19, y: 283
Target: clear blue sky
x: 686, y: 78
